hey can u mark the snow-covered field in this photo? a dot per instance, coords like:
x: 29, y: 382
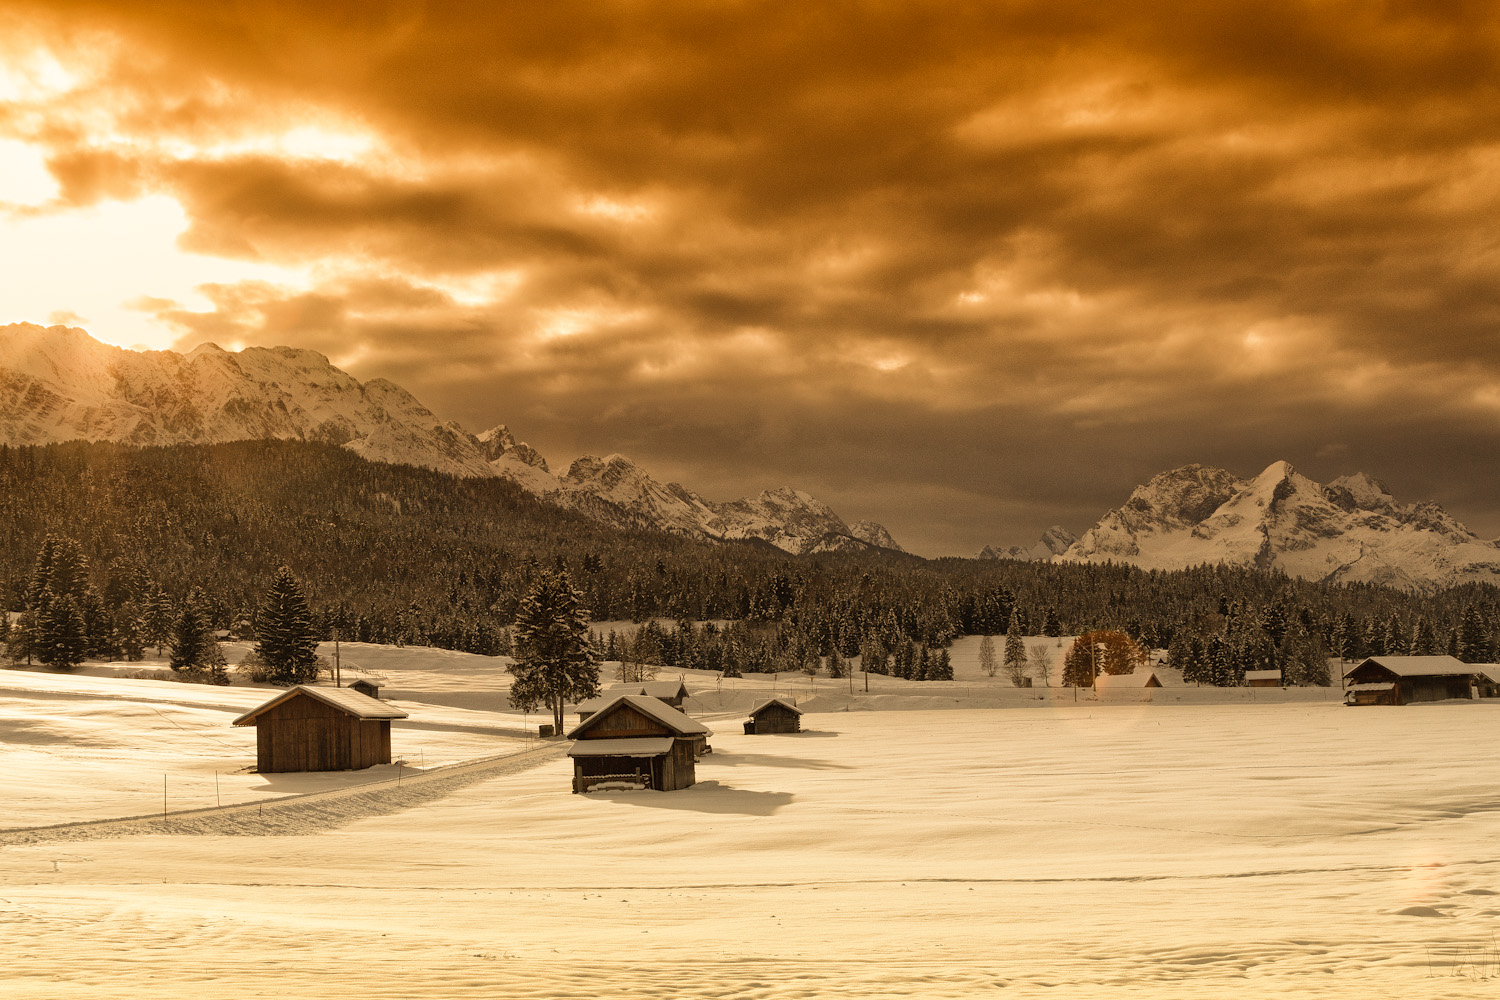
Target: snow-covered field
x: 1126, y: 849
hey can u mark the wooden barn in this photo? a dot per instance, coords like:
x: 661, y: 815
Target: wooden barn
x: 1401, y: 680
x: 321, y: 729
x: 636, y: 742
x: 1134, y: 679
x: 1263, y: 678
x: 670, y: 692
x: 774, y: 716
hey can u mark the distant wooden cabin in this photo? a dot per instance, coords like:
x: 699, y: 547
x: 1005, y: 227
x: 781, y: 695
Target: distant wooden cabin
x: 672, y: 693
x: 636, y: 741
x: 1263, y: 678
x: 1401, y: 680
x: 1487, y: 679
x: 1134, y: 679
x: 364, y: 687
x: 774, y: 716
x: 321, y: 729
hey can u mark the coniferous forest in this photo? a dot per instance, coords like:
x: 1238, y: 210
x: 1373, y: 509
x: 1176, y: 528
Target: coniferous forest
x: 389, y: 553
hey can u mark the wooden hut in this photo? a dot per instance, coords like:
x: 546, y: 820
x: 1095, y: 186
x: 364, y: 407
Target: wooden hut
x: 669, y: 692
x: 636, y: 741
x: 365, y: 687
x: 1263, y: 678
x: 776, y: 715
x: 321, y: 729
x: 1134, y: 679
x: 1401, y: 680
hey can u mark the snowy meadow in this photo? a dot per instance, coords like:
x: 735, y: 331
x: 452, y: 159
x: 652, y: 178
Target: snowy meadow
x: 1125, y: 848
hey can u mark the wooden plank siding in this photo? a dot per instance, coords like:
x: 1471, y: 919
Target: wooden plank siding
x: 304, y: 734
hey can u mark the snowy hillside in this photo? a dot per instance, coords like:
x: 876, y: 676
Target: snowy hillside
x: 59, y: 384
x: 1349, y: 530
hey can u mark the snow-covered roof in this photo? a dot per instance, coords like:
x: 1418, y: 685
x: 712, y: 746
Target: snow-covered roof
x: 1416, y: 666
x: 1490, y: 670
x: 1135, y: 679
x: 1262, y: 675
x: 775, y: 701
x: 640, y: 746
x: 654, y: 708
x: 360, y: 706
x: 652, y: 689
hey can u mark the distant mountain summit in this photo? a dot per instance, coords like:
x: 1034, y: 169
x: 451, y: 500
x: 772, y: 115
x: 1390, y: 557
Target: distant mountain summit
x: 1352, y: 529
x: 1054, y: 541
x: 59, y: 384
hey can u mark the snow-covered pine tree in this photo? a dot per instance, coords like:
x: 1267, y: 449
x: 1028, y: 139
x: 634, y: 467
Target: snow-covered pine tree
x: 1394, y: 636
x: 556, y: 663
x: 190, y: 638
x: 286, y: 641
x: 61, y: 642
x: 941, y: 667
x: 1304, y: 658
x: 1015, y: 650
x: 1472, y: 637
x: 157, y: 618
x: 1051, y: 625
x: 1424, y: 641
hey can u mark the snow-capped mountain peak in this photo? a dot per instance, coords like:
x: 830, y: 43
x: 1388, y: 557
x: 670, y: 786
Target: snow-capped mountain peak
x: 1352, y: 529
x: 59, y: 384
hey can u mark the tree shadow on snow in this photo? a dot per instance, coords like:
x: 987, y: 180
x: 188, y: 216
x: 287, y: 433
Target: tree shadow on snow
x: 707, y: 797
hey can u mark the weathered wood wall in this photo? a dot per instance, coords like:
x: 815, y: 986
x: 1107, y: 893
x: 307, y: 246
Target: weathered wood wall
x: 304, y: 734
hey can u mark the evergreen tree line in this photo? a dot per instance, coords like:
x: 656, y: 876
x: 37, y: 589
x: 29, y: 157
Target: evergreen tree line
x: 393, y: 554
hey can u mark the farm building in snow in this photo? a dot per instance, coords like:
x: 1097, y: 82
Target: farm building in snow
x: 1401, y: 680
x: 671, y: 692
x: 1263, y: 678
x: 364, y: 687
x: 636, y: 741
x: 774, y: 716
x: 321, y: 729
x: 1134, y: 679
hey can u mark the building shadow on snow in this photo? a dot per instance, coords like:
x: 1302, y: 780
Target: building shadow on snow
x: 706, y: 797
x: 771, y: 760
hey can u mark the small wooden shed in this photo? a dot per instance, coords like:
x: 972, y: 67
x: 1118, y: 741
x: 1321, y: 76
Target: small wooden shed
x: 364, y: 687
x: 1401, y: 680
x: 776, y: 715
x: 1263, y: 678
x: 321, y: 729
x: 636, y: 741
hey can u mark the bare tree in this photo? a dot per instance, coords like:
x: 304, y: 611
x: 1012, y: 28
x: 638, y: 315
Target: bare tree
x: 987, y: 661
x: 1041, y: 662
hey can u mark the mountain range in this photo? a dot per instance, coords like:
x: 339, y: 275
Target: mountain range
x: 59, y: 384
x: 1349, y: 530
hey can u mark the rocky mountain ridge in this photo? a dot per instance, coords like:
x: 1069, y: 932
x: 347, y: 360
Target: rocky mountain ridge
x: 1350, y: 530
x: 59, y: 384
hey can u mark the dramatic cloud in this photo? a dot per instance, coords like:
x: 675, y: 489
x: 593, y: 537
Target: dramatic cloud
x: 964, y: 268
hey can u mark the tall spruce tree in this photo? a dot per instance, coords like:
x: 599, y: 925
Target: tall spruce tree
x: 1473, y: 640
x: 61, y: 641
x: 287, y: 643
x: 556, y: 661
x: 1015, y: 649
x: 190, y: 639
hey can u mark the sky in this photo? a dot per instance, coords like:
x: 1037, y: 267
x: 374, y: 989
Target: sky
x: 965, y: 269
